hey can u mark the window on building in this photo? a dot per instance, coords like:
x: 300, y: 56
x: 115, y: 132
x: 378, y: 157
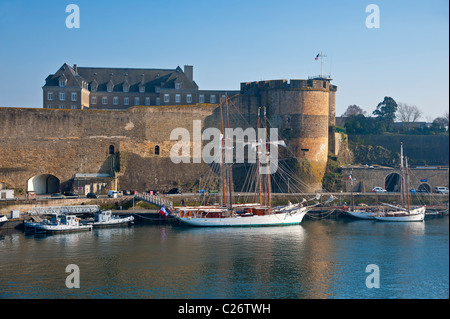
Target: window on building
x: 115, y: 100
x: 62, y: 83
x: 158, y: 101
x: 178, y: 85
x: 74, y: 96
x: 93, y: 100
x: 61, y: 106
x: 189, y: 98
x: 157, y: 150
x: 73, y: 107
x: 111, y: 150
x: 177, y: 98
x: 166, y: 98
x: 136, y: 101
x: 109, y: 88
x: 147, y: 101
x: 201, y: 98
x: 212, y: 99
x: 49, y: 106
x: 223, y: 97
x: 94, y: 88
x: 50, y: 96
x: 141, y: 89
x: 126, y: 101
x: 104, y: 100
x: 62, y: 96
x: 126, y: 88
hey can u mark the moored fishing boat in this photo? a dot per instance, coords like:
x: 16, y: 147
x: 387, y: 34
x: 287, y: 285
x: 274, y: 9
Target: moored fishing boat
x: 107, y: 219
x: 61, y: 223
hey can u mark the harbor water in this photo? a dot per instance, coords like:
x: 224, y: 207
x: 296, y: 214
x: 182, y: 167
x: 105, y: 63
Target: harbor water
x: 319, y: 259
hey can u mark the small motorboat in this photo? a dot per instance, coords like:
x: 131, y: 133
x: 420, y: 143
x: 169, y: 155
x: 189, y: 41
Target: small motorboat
x: 3, y: 219
x: 59, y: 223
x: 107, y: 219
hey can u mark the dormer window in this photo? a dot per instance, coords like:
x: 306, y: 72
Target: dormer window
x: 126, y: 88
x: 141, y: 89
x: 178, y: 85
x: 62, y: 84
x: 110, y: 88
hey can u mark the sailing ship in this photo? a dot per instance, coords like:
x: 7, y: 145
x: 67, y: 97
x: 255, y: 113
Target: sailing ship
x: 259, y: 213
x: 404, y: 213
x: 357, y: 213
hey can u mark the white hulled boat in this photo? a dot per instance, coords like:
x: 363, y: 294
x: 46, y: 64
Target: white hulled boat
x: 60, y: 223
x: 404, y: 213
x: 107, y: 219
x: 357, y: 213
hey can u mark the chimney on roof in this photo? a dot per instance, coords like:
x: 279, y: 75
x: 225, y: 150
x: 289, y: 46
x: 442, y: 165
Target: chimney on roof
x: 75, y: 68
x: 189, y: 72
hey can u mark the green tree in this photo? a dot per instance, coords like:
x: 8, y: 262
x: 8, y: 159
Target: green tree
x: 385, y: 112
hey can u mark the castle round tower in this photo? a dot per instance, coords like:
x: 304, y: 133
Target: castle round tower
x: 303, y: 111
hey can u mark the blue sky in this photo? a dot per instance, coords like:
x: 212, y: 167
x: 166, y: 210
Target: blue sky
x: 232, y: 41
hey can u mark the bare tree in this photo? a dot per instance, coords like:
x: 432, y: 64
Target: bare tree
x: 354, y: 110
x: 408, y: 113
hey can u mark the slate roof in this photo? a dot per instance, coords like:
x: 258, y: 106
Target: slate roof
x: 149, y: 78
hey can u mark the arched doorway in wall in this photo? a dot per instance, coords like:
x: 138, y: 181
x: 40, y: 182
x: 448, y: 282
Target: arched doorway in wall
x: 392, y: 182
x: 43, y: 184
x: 424, y: 188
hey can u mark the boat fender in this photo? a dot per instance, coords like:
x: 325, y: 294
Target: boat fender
x: 76, y: 220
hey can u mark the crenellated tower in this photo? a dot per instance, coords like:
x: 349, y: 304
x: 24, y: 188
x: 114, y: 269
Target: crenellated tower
x: 304, y: 113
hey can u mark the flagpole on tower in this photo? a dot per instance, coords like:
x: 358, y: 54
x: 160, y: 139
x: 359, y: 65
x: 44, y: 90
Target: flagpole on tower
x: 321, y: 55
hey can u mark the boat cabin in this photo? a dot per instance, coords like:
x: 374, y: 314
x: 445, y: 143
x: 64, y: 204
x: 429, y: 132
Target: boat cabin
x: 103, y: 216
x: 70, y: 220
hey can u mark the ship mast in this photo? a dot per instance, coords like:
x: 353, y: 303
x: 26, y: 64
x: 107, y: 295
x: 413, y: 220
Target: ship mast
x: 229, y: 164
x: 223, y: 156
x: 269, y: 202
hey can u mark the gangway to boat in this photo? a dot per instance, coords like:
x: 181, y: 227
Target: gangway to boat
x: 153, y: 199
x: 78, y: 209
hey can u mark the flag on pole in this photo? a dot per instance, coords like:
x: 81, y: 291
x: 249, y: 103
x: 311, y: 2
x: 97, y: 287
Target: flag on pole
x: 317, y: 56
x: 163, y: 211
x: 350, y: 176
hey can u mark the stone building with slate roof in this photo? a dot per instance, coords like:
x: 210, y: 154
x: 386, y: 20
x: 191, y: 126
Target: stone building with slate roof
x: 73, y: 87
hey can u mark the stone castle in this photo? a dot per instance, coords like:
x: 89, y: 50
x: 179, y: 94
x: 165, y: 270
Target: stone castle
x: 111, y: 127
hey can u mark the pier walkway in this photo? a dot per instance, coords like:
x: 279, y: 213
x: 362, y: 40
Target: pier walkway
x: 153, y: 199
x: 78, y: 209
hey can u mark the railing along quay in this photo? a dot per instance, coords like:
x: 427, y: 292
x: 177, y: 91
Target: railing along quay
x: 154, y: 199
x: 79, y: 209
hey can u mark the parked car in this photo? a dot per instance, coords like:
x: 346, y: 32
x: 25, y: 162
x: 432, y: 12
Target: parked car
x: 441, y: 190
x: 91, y: 195
x: 112, y: 194
x: 70, y: 194
x: 378, y: 190
x: 175, y: 190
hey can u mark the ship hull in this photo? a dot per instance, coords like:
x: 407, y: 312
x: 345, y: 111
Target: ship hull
x: 281, y: 219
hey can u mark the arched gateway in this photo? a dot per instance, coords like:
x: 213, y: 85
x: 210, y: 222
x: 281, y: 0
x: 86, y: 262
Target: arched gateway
x: 43, y: 184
